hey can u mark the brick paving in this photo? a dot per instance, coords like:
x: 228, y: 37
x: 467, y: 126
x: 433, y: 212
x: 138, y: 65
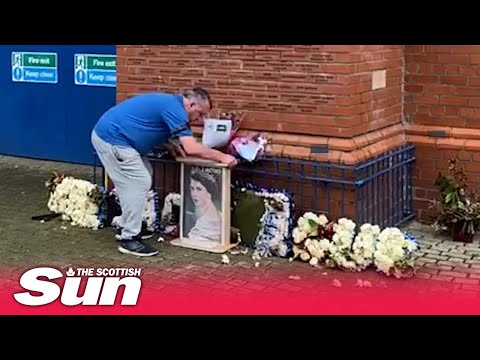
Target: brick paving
x: 442, y: 264
x: 443, y: 260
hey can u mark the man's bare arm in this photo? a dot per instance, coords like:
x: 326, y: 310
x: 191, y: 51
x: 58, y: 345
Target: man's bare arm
x: 175, y: 150
x: 193, y: 148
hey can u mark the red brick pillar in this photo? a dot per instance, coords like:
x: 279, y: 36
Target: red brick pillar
x: 346, y: 98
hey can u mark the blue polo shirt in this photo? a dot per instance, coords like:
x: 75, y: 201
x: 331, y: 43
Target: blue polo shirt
x: 144, y: 121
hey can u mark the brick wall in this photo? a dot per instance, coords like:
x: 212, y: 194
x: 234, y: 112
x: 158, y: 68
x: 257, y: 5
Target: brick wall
x: 307, y: 96
x: 303, y: 96
x: 442, y: 108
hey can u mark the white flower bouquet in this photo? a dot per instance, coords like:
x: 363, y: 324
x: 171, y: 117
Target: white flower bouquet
x: 312, y: 238
x: 76, y: 200
x: 151, y: 216
x: 342, y: 241
x: 169, y: 219
x: 363, y: 247
x: 340, y: 245
x: 394, y: 253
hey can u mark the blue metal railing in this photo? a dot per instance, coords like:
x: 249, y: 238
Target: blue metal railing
x: 384, y: 189
x: 378, y: 191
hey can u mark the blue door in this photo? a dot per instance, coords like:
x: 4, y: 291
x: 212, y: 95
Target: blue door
x: 49, y: 117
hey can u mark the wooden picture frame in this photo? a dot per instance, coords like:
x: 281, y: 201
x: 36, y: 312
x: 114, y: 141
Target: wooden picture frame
x: 205, y: 214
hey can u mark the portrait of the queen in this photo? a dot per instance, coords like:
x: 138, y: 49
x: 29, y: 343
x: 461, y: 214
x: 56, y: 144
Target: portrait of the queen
x: 202, y: 204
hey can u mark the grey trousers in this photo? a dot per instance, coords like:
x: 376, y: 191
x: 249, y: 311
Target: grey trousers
x: 131, y: 175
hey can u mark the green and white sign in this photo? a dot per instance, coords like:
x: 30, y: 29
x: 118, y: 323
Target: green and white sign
x: 35, y: 67
x: 95, y: 70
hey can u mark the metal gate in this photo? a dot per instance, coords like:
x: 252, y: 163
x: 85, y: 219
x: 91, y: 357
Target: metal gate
x: 51, y: 97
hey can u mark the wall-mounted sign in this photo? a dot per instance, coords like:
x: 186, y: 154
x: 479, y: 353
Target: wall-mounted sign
x: 35, y: 67
x: 95, y: 70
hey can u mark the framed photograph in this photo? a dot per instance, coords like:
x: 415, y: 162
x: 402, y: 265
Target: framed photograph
x: 205, y: 206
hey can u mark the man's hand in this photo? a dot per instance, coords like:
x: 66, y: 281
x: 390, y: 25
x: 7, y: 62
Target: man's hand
x: 229, y: 160
x: 193, y: 148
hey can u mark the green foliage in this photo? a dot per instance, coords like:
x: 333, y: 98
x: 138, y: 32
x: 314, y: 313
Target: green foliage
x: 457, y: 203
x: 248, y: 210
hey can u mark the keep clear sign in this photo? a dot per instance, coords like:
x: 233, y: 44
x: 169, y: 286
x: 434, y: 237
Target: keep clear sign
x: 35, y: 67
x: 96, y: 70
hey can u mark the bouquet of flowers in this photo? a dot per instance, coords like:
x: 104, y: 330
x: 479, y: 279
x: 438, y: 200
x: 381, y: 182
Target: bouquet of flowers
x: 150, y: 217
x: 394, y: 253
x: 52, y: 183
x: 316, y: 240
x: 364, y: 245
x: 342, y: 243
x: 170, y: 216
x: 76, y: 200
x: 249, y: 148
x: 312, y: 238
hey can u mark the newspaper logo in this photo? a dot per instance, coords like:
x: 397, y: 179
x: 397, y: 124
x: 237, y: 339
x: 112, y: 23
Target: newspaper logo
x: 101, y: 286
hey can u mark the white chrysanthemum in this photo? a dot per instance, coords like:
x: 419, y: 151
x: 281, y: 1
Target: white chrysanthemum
x: 342, y: 239
x: 298, y: 235
x: 326, y: 245
x: 322, y: 220
x: 304, y: 255
x: 308, y: 223
x: 346, y: 224
x: 364, y: 245
x: 393, y: 251
x: 71, y: 198
x: 383, y: 262
x: 341, y: 248
x: 315, y: 249
x: 311, y: 216
x: 347, y: 264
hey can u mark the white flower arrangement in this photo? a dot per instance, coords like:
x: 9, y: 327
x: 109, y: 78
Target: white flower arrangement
x: 318, y: 241
x: 275, y: 224
x: 172, y: 199
x: 394, y: 253
x: 150, y: 213
x: 364, y: 245
x: 342, y: 241
x: 150, y: 216
x: 312, y: 238
x: 168, y: 223
x: 76, y: 200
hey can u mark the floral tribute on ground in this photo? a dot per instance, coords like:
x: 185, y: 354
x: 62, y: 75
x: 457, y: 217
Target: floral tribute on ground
x: 78, y: 201
x: 263, y: 217
x: 151, y: 218
x: 170, y: 215
x: 341, y: 245
x: 89, y: 205
x: 272, y: 230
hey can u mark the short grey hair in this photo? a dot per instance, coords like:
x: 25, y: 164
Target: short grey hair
x: 199, y: 93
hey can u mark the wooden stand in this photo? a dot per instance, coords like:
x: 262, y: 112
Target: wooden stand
x: 209, y: 230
